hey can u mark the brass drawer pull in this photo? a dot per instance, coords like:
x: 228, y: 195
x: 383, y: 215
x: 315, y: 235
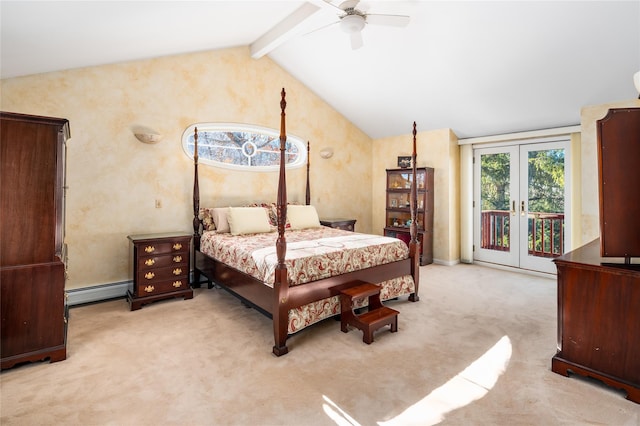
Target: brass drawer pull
x: 177, y: 246
x: 177, y: 271
x: 177, y: 259
x: 149, y: 288
x: 149, y: 275
x: 149, y: 249
x: 149, y: 262
x: 177, y: 284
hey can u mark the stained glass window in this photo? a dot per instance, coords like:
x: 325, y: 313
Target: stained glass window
x: 241, y: 146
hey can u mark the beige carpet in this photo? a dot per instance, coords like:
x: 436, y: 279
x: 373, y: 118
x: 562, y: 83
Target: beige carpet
x: 476, y: 350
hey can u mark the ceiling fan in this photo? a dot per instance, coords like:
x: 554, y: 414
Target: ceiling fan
x: 352, y: 20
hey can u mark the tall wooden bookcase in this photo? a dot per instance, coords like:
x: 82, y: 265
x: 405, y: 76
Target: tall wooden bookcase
x: 32, y: 249
x: 398, y: 213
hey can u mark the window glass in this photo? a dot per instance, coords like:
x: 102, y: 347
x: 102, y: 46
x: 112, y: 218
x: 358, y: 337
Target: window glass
x: 242, y: 146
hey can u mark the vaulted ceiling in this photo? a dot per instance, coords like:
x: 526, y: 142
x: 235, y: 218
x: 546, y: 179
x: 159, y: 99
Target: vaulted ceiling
x: 479, y: 68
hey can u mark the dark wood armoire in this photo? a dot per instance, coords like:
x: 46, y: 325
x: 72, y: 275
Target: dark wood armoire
x: 599, y: 283
x: 32, y: 250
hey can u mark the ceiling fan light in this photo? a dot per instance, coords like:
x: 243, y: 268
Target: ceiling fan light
x: 352, y: 23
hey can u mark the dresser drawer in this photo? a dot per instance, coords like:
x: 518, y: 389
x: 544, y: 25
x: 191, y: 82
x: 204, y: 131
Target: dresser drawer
x: 159, y: 287
x: 153, y: 262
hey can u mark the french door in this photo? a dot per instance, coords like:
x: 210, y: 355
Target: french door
x: 521, y: 204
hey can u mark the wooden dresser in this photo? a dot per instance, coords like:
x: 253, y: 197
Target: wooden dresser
x: 160, y: 267
x: 32, y: 251
x: 599, y: 319
x: 599, y: 283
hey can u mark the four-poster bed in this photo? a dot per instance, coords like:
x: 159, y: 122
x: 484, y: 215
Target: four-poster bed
x: 299, y: 287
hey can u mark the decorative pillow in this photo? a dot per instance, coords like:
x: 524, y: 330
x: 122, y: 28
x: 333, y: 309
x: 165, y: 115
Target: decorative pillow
x: 206, y: 214
x: 220, y: 216
x: 274, y: 214
x: 271, y: 211
x: 302, y: 217
x: 248, y: 220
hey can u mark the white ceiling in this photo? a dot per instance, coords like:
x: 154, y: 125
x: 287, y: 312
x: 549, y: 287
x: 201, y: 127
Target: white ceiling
x: 479, y: 68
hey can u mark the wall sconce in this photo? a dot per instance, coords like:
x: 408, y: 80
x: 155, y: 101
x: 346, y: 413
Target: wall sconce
x: 636, y: 81
x: 326, y: 153
x: 150, y: 138
x: 146, y: 135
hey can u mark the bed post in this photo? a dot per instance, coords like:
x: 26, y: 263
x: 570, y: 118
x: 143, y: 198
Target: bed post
x: 414, y: 247
x: 196, y: 210
x: 307, y: 197
x: 281, y: 284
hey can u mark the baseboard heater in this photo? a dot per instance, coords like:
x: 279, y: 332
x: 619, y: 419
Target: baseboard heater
x: 100, y: 293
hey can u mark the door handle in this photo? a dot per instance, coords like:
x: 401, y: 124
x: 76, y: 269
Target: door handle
x: 513, y: 207
x: 522, y: 213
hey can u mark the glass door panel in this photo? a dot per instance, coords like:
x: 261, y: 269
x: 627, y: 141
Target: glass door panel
x: 543, y: 208
x: 495, y: 227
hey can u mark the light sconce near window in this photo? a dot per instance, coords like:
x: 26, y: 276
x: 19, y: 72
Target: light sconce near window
x: 149, y: 137
x: 146, y: 135
x: 326, y: 153
x: 636, y: 81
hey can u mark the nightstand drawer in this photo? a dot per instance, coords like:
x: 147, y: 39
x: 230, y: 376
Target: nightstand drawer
x: 149, y: 289
x: 163, y: 247
x: 154, y: 262
x: 161, y: 274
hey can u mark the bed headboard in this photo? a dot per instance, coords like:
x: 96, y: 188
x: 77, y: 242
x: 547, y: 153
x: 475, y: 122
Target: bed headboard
x: 197, y: 220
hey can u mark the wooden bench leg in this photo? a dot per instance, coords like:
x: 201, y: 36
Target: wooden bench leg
x: 367, y: 336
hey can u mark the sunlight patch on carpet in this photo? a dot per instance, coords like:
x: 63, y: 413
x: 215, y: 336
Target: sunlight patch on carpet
x: 471, y: 384
x: 337, y: 414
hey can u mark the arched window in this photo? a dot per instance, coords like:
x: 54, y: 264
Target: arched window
x: 242, y: 146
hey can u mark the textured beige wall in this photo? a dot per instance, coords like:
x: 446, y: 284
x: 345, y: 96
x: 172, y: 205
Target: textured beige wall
x: 438, y: 149
x: 590, y: 205
x: 114, y: 179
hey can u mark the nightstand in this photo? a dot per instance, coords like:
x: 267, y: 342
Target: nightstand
x: 160, y: 267
x: 346, y: 224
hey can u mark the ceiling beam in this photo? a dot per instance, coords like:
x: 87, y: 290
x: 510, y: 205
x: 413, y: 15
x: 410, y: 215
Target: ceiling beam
x: 282, y: 31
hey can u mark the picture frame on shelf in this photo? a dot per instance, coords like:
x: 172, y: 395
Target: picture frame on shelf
x: 404, y: 162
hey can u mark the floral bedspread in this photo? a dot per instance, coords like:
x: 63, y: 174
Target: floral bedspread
x: 312, y: 254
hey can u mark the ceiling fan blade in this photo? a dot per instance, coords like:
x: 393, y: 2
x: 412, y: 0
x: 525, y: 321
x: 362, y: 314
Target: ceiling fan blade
x: 389, y: 20
x: 356, y: 40
x: 348, y: 4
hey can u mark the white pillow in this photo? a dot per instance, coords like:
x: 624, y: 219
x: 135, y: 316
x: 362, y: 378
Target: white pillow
x: 248, y: 220
x: 220, y: 215
x: 302, y: 217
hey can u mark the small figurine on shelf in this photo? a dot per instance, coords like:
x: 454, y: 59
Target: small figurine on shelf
x: 395, y: 222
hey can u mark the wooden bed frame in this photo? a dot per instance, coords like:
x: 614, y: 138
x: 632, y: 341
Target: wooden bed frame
x: 277, y: 301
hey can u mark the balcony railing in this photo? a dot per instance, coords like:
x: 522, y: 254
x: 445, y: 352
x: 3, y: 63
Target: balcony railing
x: 494, y: 228
x: 546, y: 232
